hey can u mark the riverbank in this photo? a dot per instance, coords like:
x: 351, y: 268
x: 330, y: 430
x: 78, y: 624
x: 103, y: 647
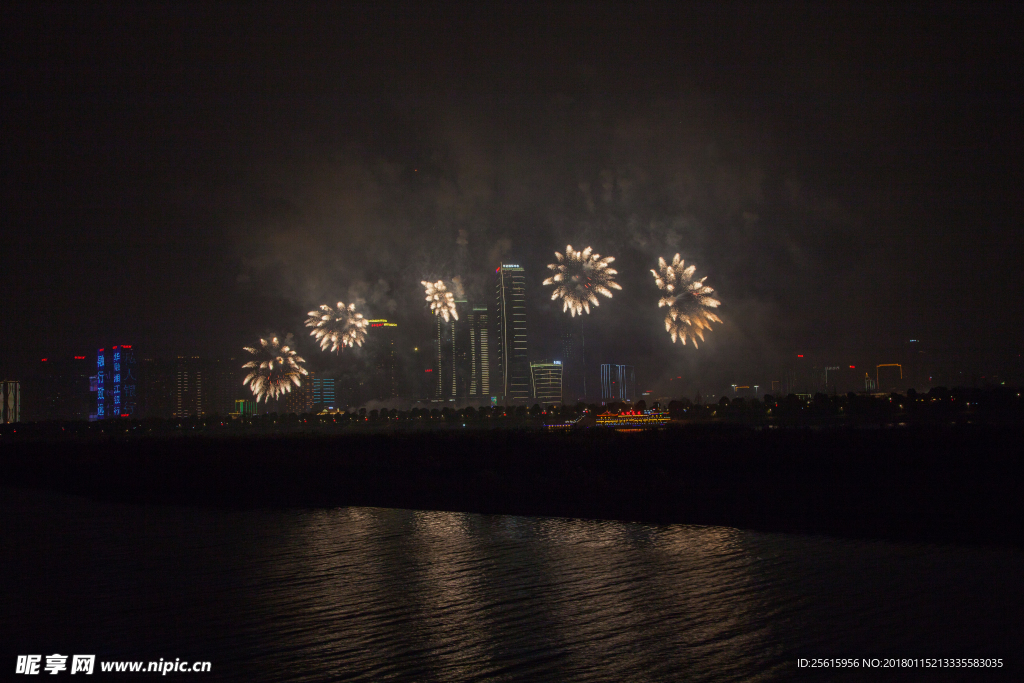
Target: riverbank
x: 946, y: 485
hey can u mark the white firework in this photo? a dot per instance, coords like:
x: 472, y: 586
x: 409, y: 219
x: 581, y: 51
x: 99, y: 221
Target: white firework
x: 689, y: 302
x: 579, y: 277
x: 274, y: 371
x: 442, y: 302
x: 337, y: 328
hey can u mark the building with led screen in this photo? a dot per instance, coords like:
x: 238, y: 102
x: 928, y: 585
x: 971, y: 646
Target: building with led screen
x: 116, y: 382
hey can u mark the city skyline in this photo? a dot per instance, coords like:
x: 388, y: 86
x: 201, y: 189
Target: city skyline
x: 830, y: 222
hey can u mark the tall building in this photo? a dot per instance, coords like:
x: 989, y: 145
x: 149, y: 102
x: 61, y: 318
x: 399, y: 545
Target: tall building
x: 442, y: 357
x: 510, y: 324
x: 300, y: 399
x: 58, y: 389
x: 381, y: 344
x: 188, y: 387
x: 223, y: 385
x: 10, y: 402
x: 157, y: 388
x: 323, y: 392
x: 574, y: 379
x: 452, y: 371
x: 618, y: 383
x: 547, y: 380
x: 117, y: 382
x: 478, y: 321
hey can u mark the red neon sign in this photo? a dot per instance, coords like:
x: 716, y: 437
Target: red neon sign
x: 124, y: 346
x: 44, y: 360
x: 799, y: 355
x: 427, y: 370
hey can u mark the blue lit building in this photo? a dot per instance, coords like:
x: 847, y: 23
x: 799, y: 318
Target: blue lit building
x: 117, y: 383
x: 618, y: 382
x: 323, y: 392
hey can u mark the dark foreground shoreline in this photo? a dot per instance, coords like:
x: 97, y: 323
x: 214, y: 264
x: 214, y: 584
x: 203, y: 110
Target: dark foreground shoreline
x: 928, y: 484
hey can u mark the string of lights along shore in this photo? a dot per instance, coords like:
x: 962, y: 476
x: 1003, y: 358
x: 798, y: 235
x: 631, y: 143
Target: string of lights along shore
x: 481, y: 349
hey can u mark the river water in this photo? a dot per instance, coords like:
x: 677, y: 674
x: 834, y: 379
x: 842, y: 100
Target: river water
x: 377, y: 594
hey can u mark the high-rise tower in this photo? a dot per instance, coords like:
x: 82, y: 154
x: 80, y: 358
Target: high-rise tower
x: 513, y: 365
x: 547, y: 380
x: 479, y: 352
x: 574, y: 378
x: 618, y: 382
x: 116, y: 382
x: 385, y: 358
x: 452, y: 367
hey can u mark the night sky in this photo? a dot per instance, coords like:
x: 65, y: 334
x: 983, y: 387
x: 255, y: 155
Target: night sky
x: 187, y: 177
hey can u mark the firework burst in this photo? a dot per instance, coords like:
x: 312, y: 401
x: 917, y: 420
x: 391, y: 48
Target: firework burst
x: 442, y: 302
x: 337, y: 328
x: 579, y: 277
x: 688, y: 300
x: 274, y: 369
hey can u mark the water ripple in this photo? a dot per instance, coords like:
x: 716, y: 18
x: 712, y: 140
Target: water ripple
x: 375, y: 594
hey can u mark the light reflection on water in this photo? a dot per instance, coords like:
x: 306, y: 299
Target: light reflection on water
x: 375, y: 594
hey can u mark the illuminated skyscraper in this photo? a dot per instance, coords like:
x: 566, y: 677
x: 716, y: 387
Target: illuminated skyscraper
x: 116, y: 382
x: 513, y: 366
x: 323, y: 392
x: 479, y: 352
x: 452, y: 370
x: 547, y: 380
x: 188, y: 387
x: 618, y: 382
x: 443, y: 347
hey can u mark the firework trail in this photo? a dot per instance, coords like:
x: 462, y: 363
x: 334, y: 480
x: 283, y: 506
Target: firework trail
x: 689, y: 306
x: 274, y: 369
x: 442, y: 302
x: 579, y: 277
x: 337, y: 328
